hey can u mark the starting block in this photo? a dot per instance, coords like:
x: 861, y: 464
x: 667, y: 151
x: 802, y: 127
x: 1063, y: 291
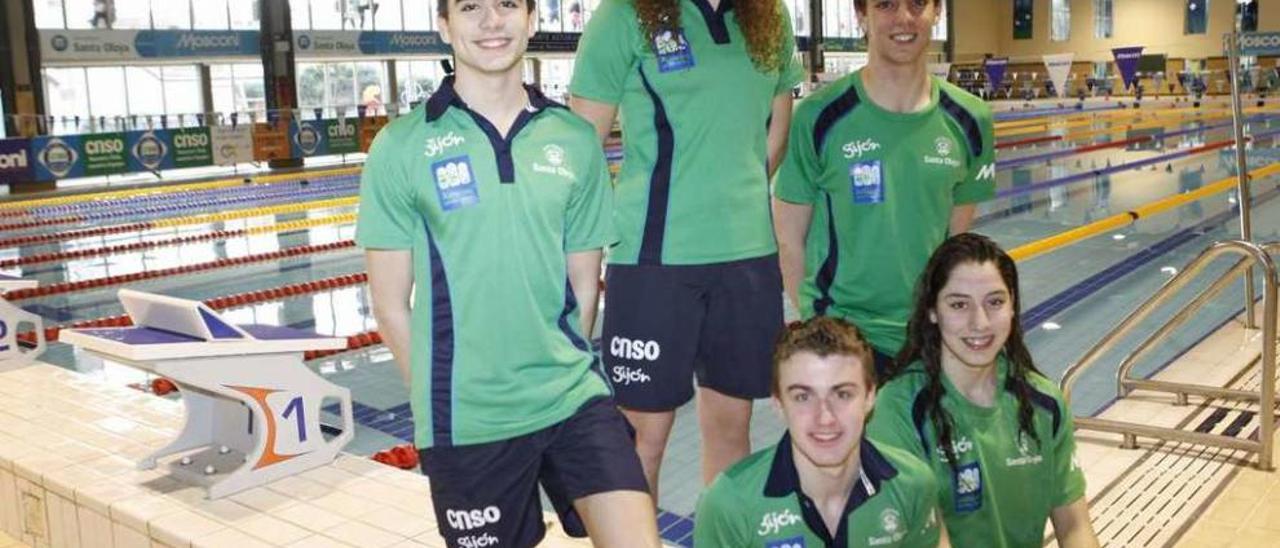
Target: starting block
x: 11, y: 317
x: 252, y: 406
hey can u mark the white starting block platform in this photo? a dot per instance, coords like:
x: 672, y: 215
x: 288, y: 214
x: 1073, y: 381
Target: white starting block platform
x: 11, y: 317
x: 252, y: 406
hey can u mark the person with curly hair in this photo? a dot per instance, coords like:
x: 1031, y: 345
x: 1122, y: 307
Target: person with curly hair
x: 883, y: 164
x: 965, y: 396
x: 703, y: 90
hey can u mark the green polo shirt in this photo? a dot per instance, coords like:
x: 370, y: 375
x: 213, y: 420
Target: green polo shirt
x: 1004, y: 484
x: 693, y: 188
x: 496, y: 349
x: 758, y: 502
x: 882, y: 186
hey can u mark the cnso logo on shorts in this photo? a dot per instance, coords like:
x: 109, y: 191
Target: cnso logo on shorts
x: 466, y: 520
x: 637, y: 350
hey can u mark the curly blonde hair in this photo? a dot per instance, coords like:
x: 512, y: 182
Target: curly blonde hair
x: 761, y: 22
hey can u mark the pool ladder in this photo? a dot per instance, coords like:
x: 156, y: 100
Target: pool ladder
x: 1250, y: 255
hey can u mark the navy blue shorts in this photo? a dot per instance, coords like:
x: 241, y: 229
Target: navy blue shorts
x: 487, y: 494
x: 666, y: 325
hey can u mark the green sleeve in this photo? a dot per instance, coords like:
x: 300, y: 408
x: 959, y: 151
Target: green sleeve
x: 387, y: 219
x: 718, y: 523
x: 891, y: 423
x: 606, y: 53
x: 589, y: 215
x: 926, y: 520
x: 792, y: 70
x: 979, y: 184
x: 1068, y: 477
x: 797, y: 179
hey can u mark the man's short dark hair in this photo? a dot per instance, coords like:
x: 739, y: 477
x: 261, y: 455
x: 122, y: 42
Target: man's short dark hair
x: 823, y: 336
x: 442, y: 7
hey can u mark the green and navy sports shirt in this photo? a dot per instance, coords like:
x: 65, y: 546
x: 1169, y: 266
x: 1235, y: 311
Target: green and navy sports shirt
x: 882, y: 185
x: 693, y: 188
x: 1004, y: 484
x: 497, y: 350
x: 758, y: 503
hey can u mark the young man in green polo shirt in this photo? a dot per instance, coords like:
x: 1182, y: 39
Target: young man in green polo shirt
x: 694, y: 288
x: 823, y: 484
x: 494, y: 204
x: 881, y: 165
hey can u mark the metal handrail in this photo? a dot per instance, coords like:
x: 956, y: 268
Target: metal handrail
x: 1251, y: 255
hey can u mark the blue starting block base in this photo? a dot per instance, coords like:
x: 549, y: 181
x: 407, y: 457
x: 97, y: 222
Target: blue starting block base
x: 226, y: 373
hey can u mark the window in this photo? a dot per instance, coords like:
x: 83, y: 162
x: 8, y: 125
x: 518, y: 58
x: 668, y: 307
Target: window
x: 1197, y: 21
x: 940, y: 28
x: 416, y: 81
x: 1247, y: 13
x: 237, y: 88
x: 171, y: 14
x: 48, y: 14
x: 1061, y: 27
x: 420, y: 15
x: 209, y: 14
x: 1022, y: 19
x: 1103, y: 23
x: 243, y: 14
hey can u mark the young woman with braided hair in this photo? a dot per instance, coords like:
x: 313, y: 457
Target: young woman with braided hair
x: 965, y: 396
x: 703, y: 91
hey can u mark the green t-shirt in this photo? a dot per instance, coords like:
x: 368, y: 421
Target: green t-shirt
x: 882, y: 186
x: 693, y: 188
x: 758, y: 502
x: 1005, y: 484
x: 496, y: 345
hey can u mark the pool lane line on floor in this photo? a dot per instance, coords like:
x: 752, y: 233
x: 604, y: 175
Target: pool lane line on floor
x: 169, y: 188
x: 287, y: 196
x: 283, y: 228
x: 246, y: 298
x: 94, y: 283
x: 1081, y: 149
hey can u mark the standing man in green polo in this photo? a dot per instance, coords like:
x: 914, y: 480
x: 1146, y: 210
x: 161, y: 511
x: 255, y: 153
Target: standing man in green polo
x: 824, y: 484
x: 494, y: 203
x: 703, y: 90
x: 882, y: 164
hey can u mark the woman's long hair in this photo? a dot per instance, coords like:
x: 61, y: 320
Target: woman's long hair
x: 761, y: 22
x: 924, y: 339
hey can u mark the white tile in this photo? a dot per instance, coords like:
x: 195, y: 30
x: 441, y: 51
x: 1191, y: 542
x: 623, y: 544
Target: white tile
x: 402, y: 523
x: 137, y: 511
x: 10, y: 521
x: 64, y: 525
x: 182, y: 527
x: 229, y: 538
x: 299, y: 488
x: 262, y: 499
x: 99, y: 496
x: 31, y: 512
x: 342, y: 504
x: 319, y: 541
x: 310, y: 517
x: 95, y: 529
x: 127, y: 537
x: 272, y: 530
x: 360, y: 534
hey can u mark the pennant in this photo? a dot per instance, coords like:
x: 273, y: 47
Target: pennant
x: 1127, y: 61
x: 1059, y: 67
x: 995, y: 67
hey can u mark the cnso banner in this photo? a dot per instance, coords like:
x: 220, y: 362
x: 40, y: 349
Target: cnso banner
x: 15, y: 160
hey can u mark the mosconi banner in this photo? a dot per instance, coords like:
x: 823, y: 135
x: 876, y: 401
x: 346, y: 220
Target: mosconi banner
x: 1260, y: 43
x: 1127, y: 62
x: 15, y: 160
x: 73, y: 46
x: 1059, y: 67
